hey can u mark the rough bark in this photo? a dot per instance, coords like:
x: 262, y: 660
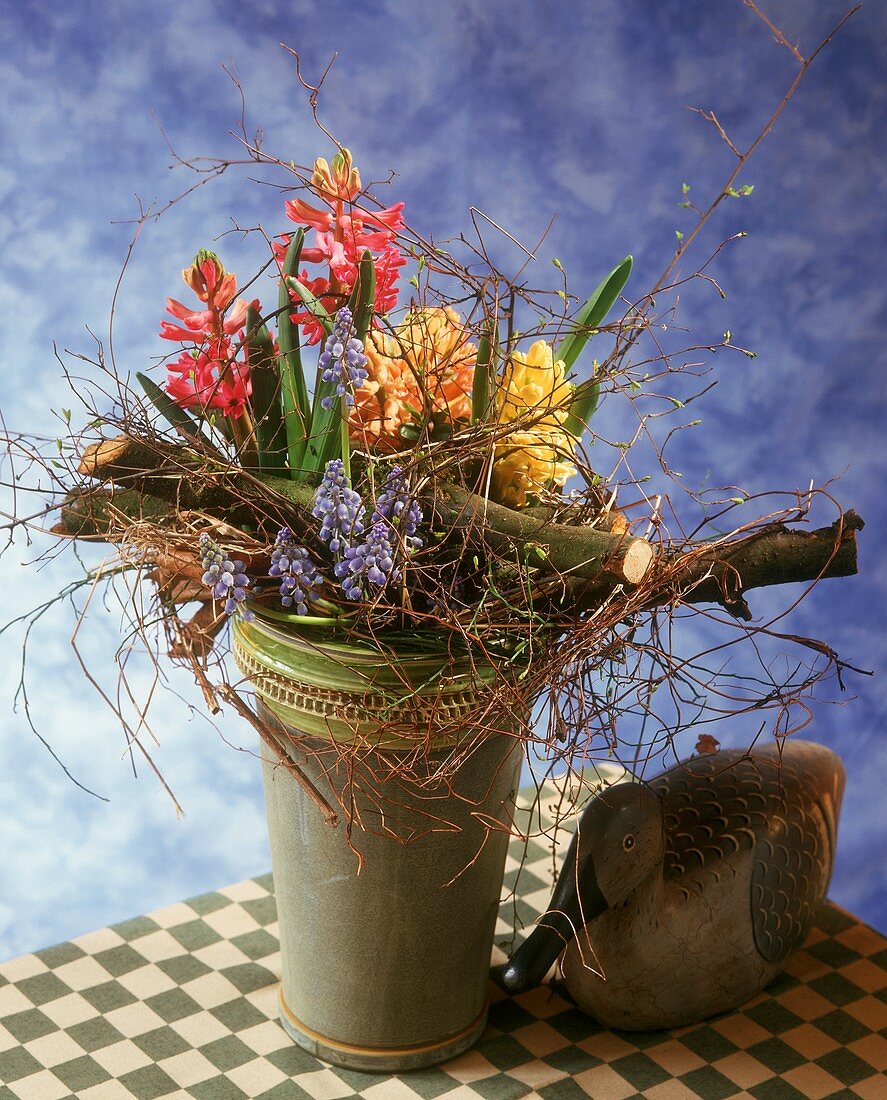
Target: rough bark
x: 183, y: 478
x: 774, y: 555
x: 89, y: 513
x: 551, y: 547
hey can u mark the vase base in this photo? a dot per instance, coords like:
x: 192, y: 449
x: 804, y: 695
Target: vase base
x: 381, y: 1059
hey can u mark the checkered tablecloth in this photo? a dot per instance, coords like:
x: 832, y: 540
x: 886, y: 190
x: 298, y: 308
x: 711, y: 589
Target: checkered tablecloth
x: 182, y: 1003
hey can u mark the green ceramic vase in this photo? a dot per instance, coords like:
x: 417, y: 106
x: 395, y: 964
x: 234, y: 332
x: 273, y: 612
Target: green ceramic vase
x: 387, y: 968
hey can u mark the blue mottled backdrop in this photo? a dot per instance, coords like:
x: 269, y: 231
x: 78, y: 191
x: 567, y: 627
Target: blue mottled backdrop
x: 524, y: 110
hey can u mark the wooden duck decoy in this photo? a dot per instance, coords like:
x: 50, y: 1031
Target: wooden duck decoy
x: 681, y: 898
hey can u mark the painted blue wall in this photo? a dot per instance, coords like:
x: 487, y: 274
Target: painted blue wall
x: 524, y: 110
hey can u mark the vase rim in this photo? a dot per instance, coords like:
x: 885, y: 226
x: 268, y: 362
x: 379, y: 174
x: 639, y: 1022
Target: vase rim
x: 352, y: 693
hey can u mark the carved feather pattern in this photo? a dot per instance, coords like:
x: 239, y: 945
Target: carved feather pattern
x: 717, y: 807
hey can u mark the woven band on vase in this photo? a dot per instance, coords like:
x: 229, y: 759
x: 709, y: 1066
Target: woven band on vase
x: 351, y: 715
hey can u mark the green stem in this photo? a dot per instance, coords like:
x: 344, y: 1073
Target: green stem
x: 346, y: 442
x: 296, y: 407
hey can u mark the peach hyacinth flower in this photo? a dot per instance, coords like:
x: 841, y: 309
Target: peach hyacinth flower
x: 536, y: 455
x: 427, y: 364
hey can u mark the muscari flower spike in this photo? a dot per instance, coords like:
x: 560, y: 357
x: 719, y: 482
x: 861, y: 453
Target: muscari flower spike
x: 225, y: 577
x: 395, y: 519
x: 299, y: 576
x: 396, y: 506
x: 361, y: 562
x: 370, y: 562
x: 343, y: 360
x: 339, y: 508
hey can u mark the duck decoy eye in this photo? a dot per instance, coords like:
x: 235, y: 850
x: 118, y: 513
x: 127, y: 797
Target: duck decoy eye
x: 628, y: 842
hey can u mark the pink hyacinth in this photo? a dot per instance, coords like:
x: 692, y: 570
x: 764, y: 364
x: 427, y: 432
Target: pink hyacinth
x: 214, y: 286
x: 199, y: 323
x: 211, y: 377
x: 342, y: 233
x: 388, y: 264
x: 208, y: 374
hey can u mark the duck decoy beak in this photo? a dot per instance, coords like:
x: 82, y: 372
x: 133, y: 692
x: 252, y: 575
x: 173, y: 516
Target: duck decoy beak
x: 576, y: 901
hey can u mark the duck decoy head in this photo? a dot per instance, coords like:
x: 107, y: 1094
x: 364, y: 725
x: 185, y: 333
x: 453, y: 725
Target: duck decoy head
x: 618, y: 844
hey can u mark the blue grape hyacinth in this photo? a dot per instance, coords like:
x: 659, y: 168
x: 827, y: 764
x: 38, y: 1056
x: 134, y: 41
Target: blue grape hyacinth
x: 339, y: 508
x: 343, y: 360
x: 370, y: 562
x: 396, y: 506
x: 299, y: 576
x: 226, y: 577
x: 365, y: 559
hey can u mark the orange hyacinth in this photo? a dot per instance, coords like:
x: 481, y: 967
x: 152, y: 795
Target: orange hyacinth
x: 423, y: 371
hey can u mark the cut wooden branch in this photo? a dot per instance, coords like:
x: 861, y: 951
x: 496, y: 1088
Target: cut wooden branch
x: 774, y: 555
x: 90, y: 513
x: 724, y: 572
x: 123, y: 454
x: 180, y: 476
x: 587, y: 562
x: 178, y: 575
x: 193, y: 641
x: 556, y: 548
x: 188, y: 481
x: 582, y: 552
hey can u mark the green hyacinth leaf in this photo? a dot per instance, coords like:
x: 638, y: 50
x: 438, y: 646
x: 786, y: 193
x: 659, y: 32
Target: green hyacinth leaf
x: 168, y: 408
x: 313, y: 304
x: 589, y: 318
x: 583, y: 406
x: 324, y: 439
x: 324, y: 424
x: 483, y: 388
x: 266, y: 395
x: 327, y: 438
x: 296, y: 405
x: 363, y: 297
x: 592, y: 314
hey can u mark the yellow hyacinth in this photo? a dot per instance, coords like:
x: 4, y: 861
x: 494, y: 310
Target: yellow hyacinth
x: 537, y: 454
x: 427, y: 364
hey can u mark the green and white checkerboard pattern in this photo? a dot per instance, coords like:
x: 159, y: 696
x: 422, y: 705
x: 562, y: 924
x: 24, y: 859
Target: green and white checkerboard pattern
x: 182, y: 1003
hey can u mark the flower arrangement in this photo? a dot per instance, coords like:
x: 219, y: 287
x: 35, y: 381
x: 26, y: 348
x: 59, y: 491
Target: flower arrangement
x: 398, y: 449
x: 385, y: 394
